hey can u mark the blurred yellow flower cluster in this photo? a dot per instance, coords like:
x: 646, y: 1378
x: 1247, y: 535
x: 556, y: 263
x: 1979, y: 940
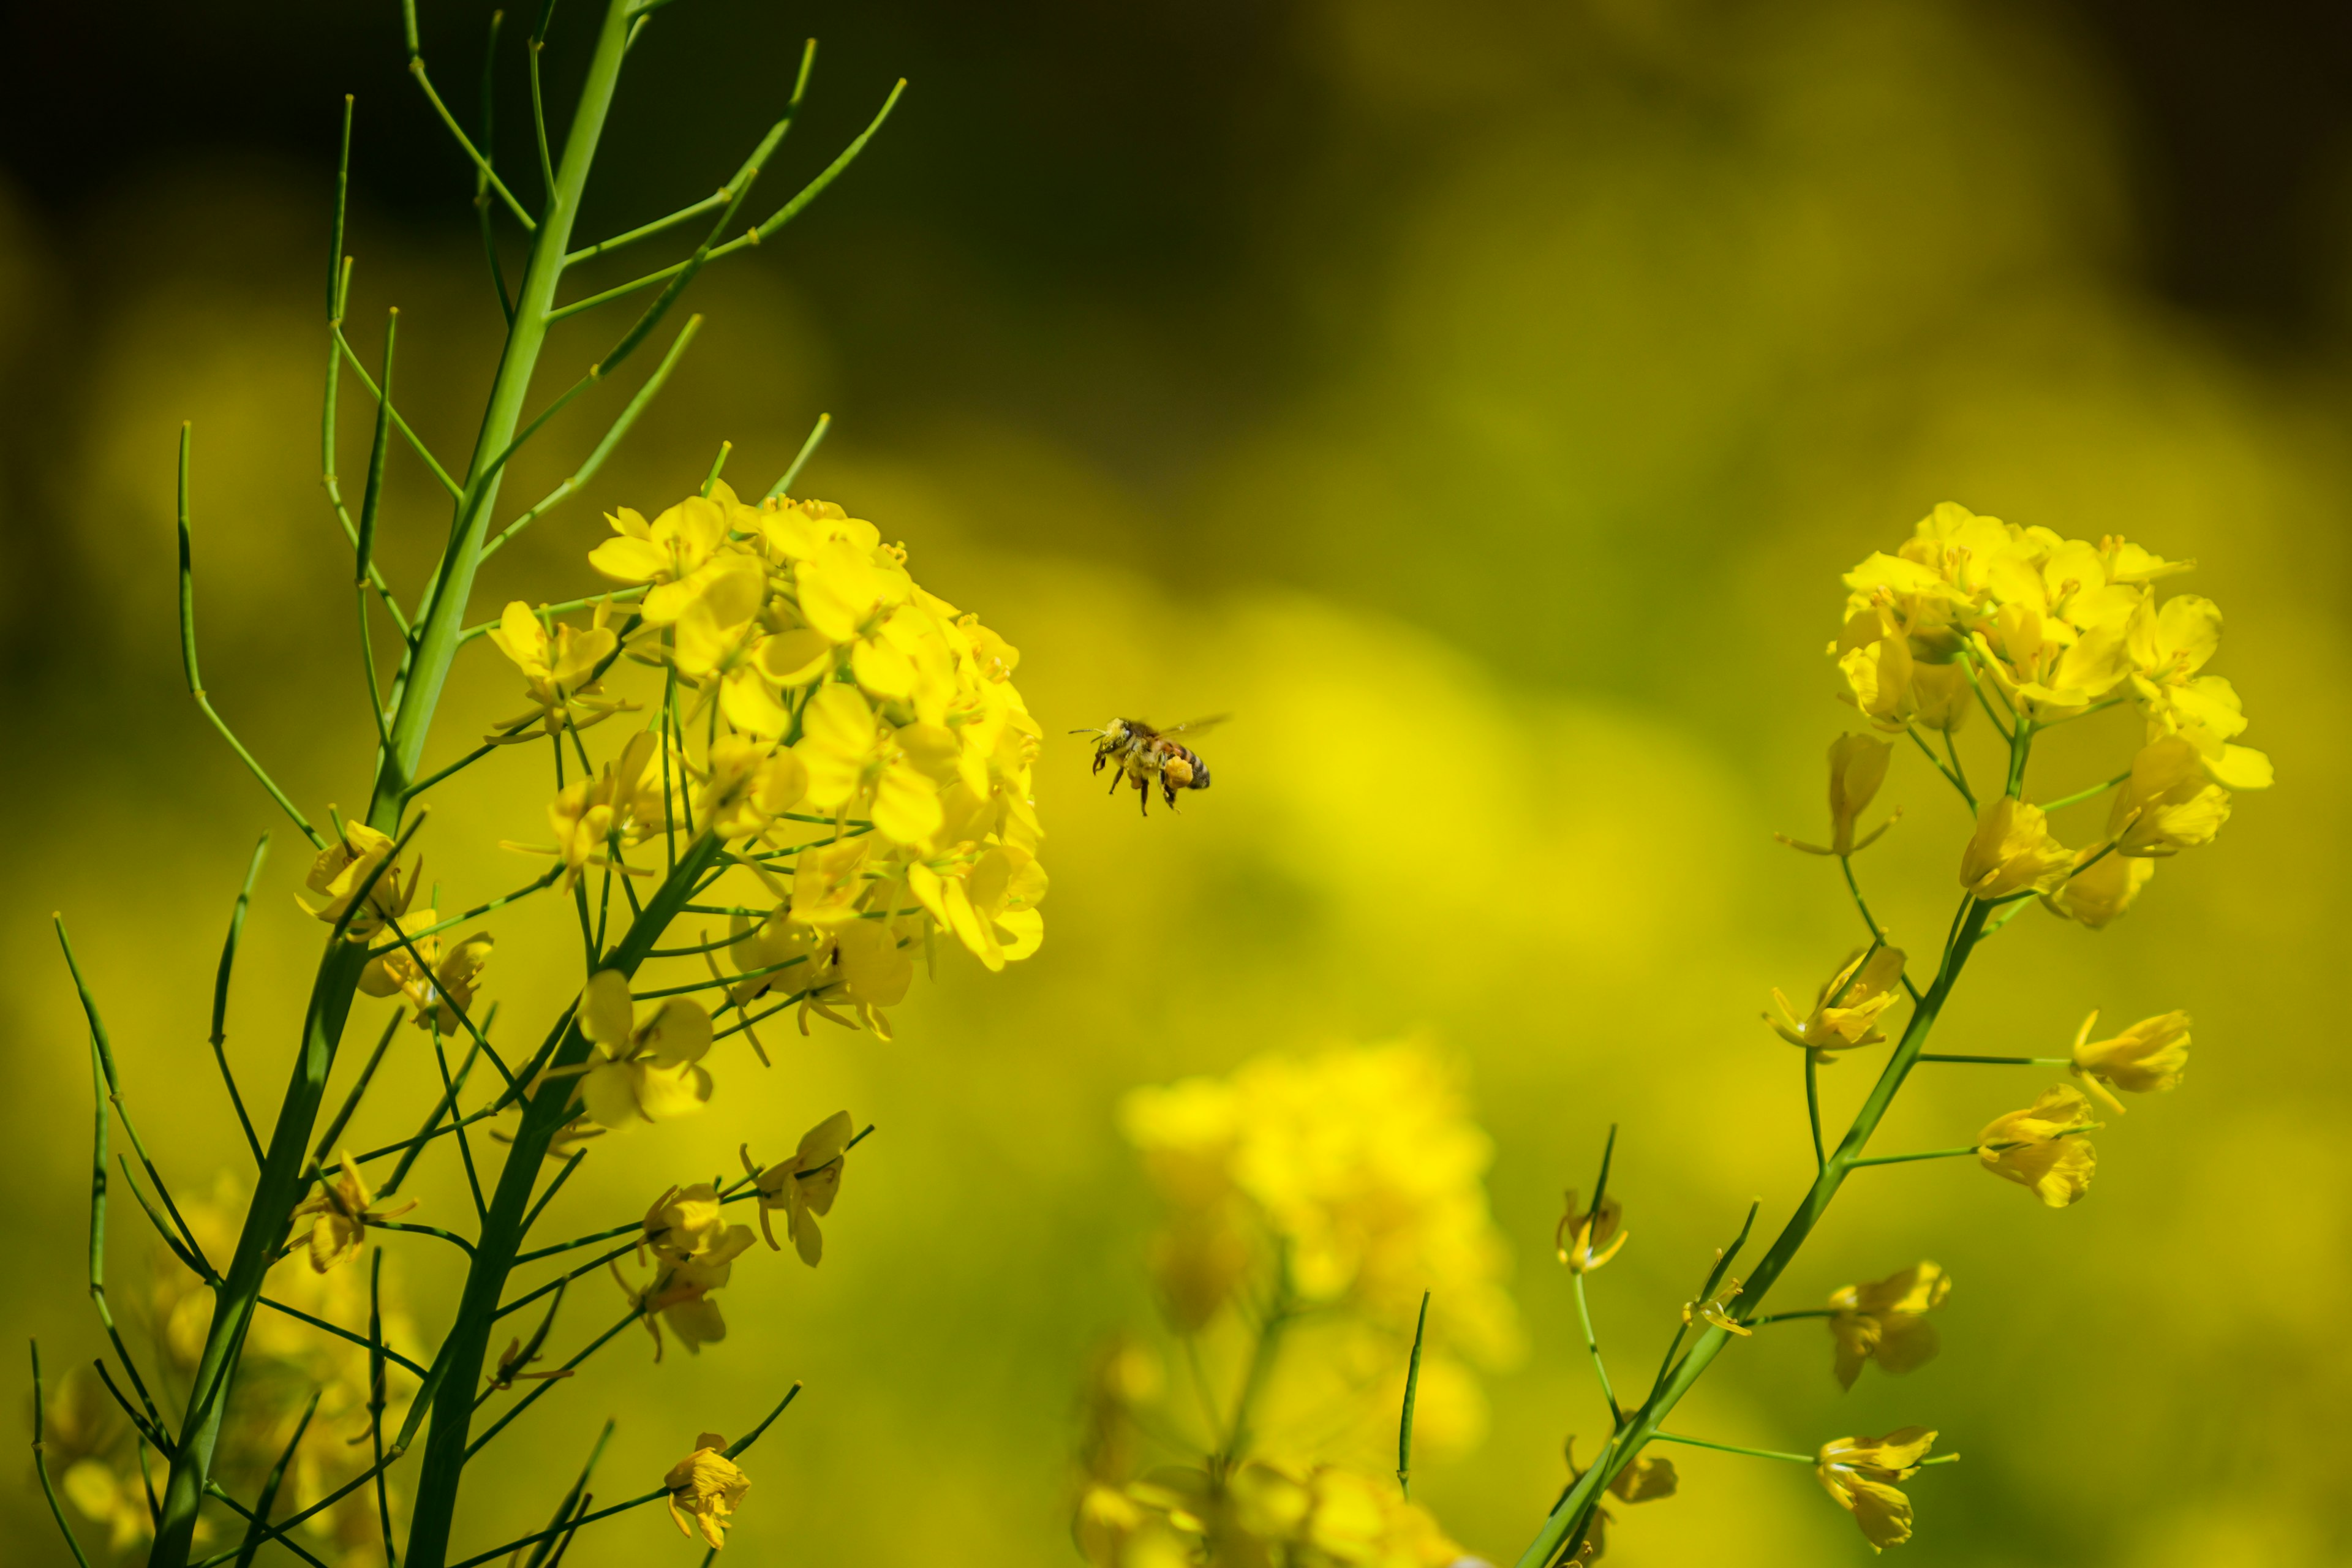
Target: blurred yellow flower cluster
x: 1359, y: 1167
x: 1263, y: 1516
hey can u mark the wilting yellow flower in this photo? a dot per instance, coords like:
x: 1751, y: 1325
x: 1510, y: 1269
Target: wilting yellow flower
x: 804, y: 1185
x: 2103, y: 888
x: 641, y: 1071
x: 346, y: 866
x: 2012, y: 851
x: 1646, y: 1479
x: 1886, y: 1320
x: 1857, y: 767
x: 707, y: 1487
x: 1940, y: 695
x: 340, y: 1212
x: 2042, y: 1148
x: 687, y: 1225
x: 440, y: 995
x: 2147, y: 1058
x: 1846, y: 1013
x: 2166, y: 804
x: 559, y: 672
x: 1875, y: 657
x: 1859, y: 1473
x: 1587, y: 1240
x: 679, y: 1296
x: 1715, y: 1310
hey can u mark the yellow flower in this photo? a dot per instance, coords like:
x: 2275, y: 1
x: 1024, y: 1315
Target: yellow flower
x: 440, y: 994
x: 667, y: 551
x: 559, y: 672
x: 706, y: 1487
x: 117, y: 1502
x: 1716, y: 1309
x: 1857, y: 767
x: 679, y: 1296
x: 2042, y: 1148
x: 2147, y: 1058
x: 2012, y: 851
x: 803, y: 1187
x: 1585, y: 1241
x: 1361, y: 1163
x: 1859, y: 1473
x: 1886, y: 1320
x: 1876, y: 659
x: 1646, y: 1479
x: 641, y: 1071
x: 1846, y: 1014
x: 1941, y: 695
x: 2103, y: 889
x: 340, y: 1212
x: 989, y: 901
x: 2166, y: 804
x: 625, y: 802
x: 686, y: 1225
x: 345, y: 866
x: 1325, y: 1518
x: 2168, y: 646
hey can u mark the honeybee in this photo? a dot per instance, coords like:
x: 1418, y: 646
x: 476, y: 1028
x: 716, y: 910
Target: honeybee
x: 1139, y: 754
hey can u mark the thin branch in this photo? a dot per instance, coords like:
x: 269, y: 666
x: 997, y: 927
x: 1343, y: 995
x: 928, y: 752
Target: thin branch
x: 188, y: 656
x: 808, y: 449
x: 219, y: 1036
x: 259, y: 1516
x: 783, y: 215
x: 481, y: 177
x: 416, y: 70
x: 352, y: 357
x: 41, y: 1461
x: 340, y: 1332
x: 603, y: 449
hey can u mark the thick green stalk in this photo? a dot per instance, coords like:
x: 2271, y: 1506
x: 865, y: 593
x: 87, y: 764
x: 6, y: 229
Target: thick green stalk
x: 437, y: 639
x: 438, y: 636
x: 544, y: 1113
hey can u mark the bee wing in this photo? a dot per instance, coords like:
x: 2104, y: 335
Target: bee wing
x: 1197, y: 726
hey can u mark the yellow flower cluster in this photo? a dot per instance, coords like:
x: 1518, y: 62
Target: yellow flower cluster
x: 1972, y: 611
x: 1265, y: 1515
x: 1359, y: 1166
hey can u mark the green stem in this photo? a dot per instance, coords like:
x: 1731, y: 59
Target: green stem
x: 41, y: 1459
x: 1731, y: 1447
x: 808, y: 449
x: 1570, y: 1516
x: 1261, y: 1366
x: 1592, y: 1347
x: 2091, y: 794
x: 545, y: 1111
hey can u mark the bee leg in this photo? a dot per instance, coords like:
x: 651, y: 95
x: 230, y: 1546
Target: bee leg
x: 1143, y: 796
x: 1116, y: 779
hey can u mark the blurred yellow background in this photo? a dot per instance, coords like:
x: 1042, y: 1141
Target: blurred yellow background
x: 1559, y: 376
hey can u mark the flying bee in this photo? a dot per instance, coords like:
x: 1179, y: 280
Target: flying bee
x: 1139, y: 754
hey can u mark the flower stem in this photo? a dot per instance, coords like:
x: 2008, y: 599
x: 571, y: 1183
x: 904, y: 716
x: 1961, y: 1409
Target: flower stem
x: 1731, y: 1447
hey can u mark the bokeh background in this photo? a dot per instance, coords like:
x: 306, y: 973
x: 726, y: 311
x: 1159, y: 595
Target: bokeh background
x: 1479, y: 400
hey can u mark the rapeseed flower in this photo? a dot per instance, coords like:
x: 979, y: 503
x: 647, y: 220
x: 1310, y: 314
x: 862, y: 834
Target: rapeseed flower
x: 340, y: 1212
x: 679, y: 1296
x: 2147, y: 1058
x: 2012, y: 851
x: 705, y: 1488
x: 1264, y: 1513
x: 1857, y: 767
x: 2042, y: 1148
x: 356, y: 860
x: 1846, y: 1014
x: 2167, y: 804
x: 687, y: 1225
x: 1586, y: 1240
x: 2103, y: 888
x: 647, y: 1070
x: 1860, y: 1473
x: 560, y: 671
x: 804, y: 1187
x: 441, y: 988
x: 1359, y: 1165
x: 1886, y: 1320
